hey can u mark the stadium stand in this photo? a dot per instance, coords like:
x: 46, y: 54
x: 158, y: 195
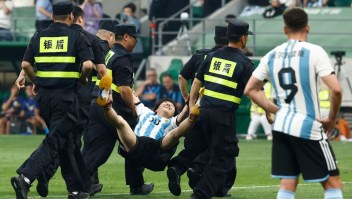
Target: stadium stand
x: 330, y: 27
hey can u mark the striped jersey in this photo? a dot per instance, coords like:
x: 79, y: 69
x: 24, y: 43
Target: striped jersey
x: 152, y: 125
x: 294, y: 69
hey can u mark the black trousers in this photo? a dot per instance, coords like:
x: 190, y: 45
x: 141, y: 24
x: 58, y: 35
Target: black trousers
x: 200, y: 163
x: 60, y: 112
x: 194, y: 144
x: 99, y: 142
x: 218, y: 128
x: 81, y: 126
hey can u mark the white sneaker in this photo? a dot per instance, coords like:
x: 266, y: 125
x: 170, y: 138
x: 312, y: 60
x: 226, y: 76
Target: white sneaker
x: 269, y: 137
x: 249, y: 137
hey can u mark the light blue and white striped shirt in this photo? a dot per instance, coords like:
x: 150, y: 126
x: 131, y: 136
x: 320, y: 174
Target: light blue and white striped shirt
x: 152, y: 125
x: 294, y: 69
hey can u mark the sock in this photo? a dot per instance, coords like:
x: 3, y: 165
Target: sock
x: 284, y: 194
x: 333, y: 194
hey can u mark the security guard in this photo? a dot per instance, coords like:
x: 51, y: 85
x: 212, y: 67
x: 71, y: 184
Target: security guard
x: 84, y: 93
x: 119, y: 60
x: 100, y: 136
x: 181, y: 161
x: 57, y: 52
x: 224, y: 74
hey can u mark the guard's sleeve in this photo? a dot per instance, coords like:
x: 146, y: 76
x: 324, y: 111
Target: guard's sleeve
x: 29, y: 54
x: 188, y: 71
x: 262, y: 71
x: 84, y: 48
x: 124, y: 71
x: 98, y: 54
x: 248, y: 70
x: 202, y: 68
x: 322, y: 62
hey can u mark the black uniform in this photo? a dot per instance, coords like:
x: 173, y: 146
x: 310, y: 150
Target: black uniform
x: 57, y: 53
x: 190, y: 69
x: 83, y: 93
x: 224, y: 74
x: 120, y: 62
x: 181, y: 161
x: 100, y: 136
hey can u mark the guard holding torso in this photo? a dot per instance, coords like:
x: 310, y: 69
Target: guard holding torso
x: 119, y: 60
x: 182, y: 162
x: 57, y: 52
x: 224, y: 74
x: 100, y: 136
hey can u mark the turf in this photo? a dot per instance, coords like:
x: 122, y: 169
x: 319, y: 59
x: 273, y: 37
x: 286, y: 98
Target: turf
x: 253, y: 178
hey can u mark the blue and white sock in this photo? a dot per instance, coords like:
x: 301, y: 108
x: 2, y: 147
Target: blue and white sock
x: 284, y: 194
x: 333, y: 194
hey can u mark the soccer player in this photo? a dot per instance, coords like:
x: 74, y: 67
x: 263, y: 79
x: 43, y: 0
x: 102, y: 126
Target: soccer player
x: 300, y: 144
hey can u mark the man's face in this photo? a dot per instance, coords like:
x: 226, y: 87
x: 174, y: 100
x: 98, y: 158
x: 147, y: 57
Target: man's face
x: 168, y: 82
x: 111, y: 39
x: 244, y: 40
x: 152, y: 76
x: 128, y: 12
x: 131, y: 42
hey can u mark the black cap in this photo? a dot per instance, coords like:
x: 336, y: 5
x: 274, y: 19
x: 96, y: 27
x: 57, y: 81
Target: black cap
x: 220, y: 32
x: 238, y: 28
x: 62, y: 8
x: 108, y: 25
x: 129, y: 29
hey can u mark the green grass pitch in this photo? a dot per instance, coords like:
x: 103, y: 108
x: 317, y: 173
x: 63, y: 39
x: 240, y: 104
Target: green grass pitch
x: 253, y: 178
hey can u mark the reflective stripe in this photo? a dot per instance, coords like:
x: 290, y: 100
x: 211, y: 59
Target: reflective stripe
x: 63, y: 59
x: 324, y: 96
x: 222, y: 96
x: 94, y: 79
x: 57, y: 74
x: 218, y: 80
x: 115, y: 88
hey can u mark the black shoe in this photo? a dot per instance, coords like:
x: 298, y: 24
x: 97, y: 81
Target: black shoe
x: 78, y: 195
x: 95, y: 178
x: 174, y: 180
x: 193, y: 196
x: 145, y: 189
x: 43, y: 185
x: 222, y: 195
x: 95, y: 188
x: 193, y: 177
x: 20, y: 186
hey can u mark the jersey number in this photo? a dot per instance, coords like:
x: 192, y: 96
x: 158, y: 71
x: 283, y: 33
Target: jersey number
x: 155, y: 121
x: 288, y: 86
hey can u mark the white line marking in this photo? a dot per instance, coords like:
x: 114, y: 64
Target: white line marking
x: 188, y: 190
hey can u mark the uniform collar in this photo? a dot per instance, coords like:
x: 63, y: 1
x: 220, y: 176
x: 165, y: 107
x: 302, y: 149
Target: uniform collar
x: 76, y: 27
x: 119, y: 46
x: 58, y: 24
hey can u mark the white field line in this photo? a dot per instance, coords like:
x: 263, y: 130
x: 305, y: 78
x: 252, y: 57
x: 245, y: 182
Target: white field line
x: 185, y: 191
